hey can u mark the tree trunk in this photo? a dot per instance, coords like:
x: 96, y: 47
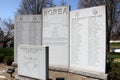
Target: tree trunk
x: 110, y: 24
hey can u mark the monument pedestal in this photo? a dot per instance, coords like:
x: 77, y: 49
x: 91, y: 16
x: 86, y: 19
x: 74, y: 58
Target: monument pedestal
x: 53, y: 75
x: 18, y: 77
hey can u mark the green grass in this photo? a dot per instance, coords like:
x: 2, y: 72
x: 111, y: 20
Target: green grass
x: 6, y: 55
x: 7, y: 51
x: 115, y: 45
x: 113, y: 55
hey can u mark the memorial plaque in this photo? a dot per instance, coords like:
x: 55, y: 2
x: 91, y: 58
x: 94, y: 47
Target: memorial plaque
x: 28, y: 30
x: 33, y: 61
x: 88, y: 39
x: 56, y: 35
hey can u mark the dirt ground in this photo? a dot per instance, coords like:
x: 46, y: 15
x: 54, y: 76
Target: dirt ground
x: 52, y: 74
x: 3, y: 72
x: 5, y: 76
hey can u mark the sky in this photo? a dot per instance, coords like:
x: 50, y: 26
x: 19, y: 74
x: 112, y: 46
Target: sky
x: 8, y: 8
x: 72, y: 3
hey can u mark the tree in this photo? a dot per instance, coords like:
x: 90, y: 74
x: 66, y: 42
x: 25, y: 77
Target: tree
x: 8, y: 31
x: 63, y: 3
x: 33, y: 6
x: 1, y: 35
x: 113, y: 13
x: 1, y: 32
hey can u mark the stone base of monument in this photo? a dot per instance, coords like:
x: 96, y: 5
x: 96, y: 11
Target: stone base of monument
x: 19, y: 77
x: 75, y: 75
x: 63, y: 75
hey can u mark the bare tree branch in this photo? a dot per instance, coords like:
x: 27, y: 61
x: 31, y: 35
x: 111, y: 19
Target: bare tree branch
x: 33, y: 6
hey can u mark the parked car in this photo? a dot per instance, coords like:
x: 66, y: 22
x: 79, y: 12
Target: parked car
x: 116, y: 50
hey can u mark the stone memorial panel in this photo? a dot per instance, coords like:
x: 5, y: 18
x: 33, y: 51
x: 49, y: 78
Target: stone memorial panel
x: 56, y: 35
x: 88, y: 39
x: 33, y: 61
x: 28, y: 30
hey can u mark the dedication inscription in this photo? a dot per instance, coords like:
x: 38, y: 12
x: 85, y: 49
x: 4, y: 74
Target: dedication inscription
x: 56, y: 34
x: 32, y: 61
x: 28, y: 30
x: 88, y: 39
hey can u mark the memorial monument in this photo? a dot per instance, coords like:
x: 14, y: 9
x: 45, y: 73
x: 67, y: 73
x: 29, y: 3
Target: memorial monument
x: 56, y: 35
x: 88, y: 39
x: 76, y: 40
x: 33, y: 62
x: 28, y: 30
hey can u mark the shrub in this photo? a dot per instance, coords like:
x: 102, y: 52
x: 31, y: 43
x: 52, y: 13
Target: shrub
x: 113, y: 67
x: 114, y: 73
x: 8, y: 60
x: 5, y: 52
x: 1, y: 57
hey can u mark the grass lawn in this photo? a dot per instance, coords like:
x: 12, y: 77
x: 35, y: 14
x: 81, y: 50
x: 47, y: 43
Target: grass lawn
x: 115, y: 45
x: 113, y: 56
x: 6, y: 55
x: 7, y: 51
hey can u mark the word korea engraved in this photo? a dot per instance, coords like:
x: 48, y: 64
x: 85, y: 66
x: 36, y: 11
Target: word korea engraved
x: 56, y: 35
